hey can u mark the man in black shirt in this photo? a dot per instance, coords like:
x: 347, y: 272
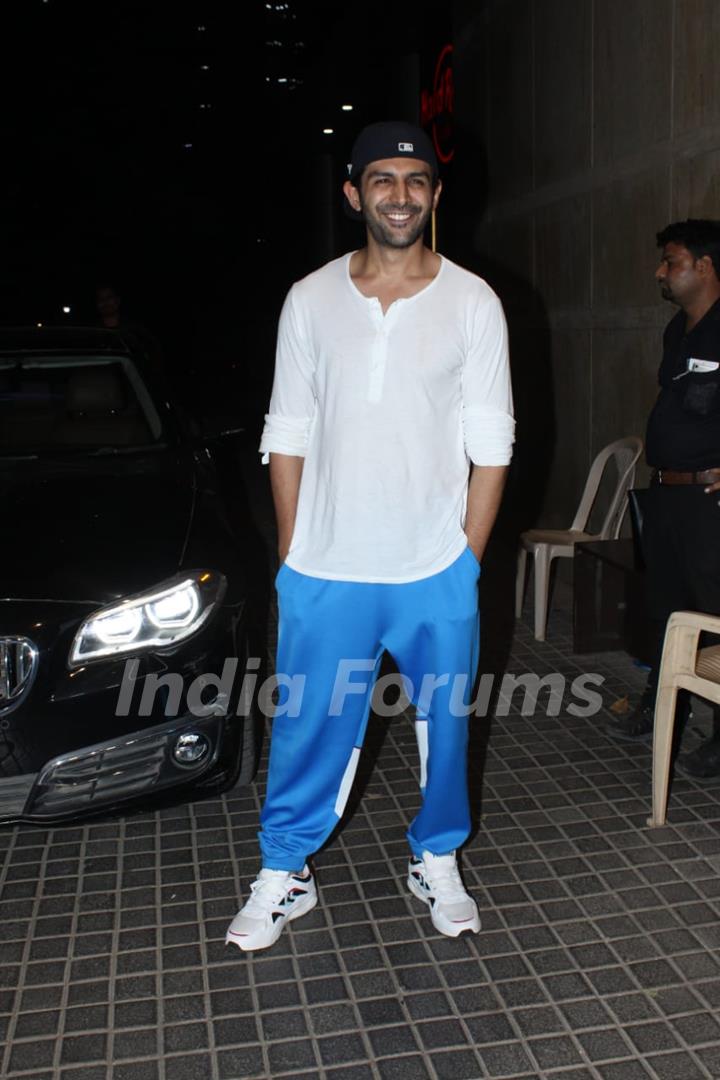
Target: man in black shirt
x: 681, y: 527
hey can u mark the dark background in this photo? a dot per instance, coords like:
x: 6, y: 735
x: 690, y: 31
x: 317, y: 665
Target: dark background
x: 176, y: 151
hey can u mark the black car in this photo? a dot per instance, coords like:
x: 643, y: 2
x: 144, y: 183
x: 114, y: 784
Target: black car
x: 132, y: 584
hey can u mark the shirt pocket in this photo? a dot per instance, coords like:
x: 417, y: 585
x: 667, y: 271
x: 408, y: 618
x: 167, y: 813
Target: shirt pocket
x: 701, y: 393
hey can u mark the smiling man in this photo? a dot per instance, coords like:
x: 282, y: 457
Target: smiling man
x: 391, y: 385
x: 681, y: 525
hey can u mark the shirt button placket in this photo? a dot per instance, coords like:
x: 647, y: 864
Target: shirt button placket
x: 378, y: 358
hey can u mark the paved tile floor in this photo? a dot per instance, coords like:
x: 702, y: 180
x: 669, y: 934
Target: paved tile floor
x: 598, y: 956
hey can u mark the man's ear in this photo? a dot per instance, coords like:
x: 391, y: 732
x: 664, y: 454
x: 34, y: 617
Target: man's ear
x: 352, y: 195
x: 436, y: 194
x: 705, y: 265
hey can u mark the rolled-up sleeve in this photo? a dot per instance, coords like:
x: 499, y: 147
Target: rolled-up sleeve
x: 292, y: 404
x: 487, y: 405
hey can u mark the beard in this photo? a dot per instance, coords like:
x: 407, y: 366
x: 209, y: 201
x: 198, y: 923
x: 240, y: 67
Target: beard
x: 384, y: 233
x: 667, y: 293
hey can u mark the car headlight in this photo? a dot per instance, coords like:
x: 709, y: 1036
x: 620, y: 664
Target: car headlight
x: 169, y: 613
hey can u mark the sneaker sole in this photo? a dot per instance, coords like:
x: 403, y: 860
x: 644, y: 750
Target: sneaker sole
x: 301, y: 908
x: 447, y: 928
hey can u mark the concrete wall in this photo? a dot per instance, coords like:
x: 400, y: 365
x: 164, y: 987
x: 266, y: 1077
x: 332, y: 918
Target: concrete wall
x: 583, y: 127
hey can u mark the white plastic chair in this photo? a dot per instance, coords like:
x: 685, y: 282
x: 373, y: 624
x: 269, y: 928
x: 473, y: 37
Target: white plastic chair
x: 547, y: 544
x: 683, y: 667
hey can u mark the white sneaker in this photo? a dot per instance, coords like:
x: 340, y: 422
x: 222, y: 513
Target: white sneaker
x: 275, y: 898
x: 435, y: 880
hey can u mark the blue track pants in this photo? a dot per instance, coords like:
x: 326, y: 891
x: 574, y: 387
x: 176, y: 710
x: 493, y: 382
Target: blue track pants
x: 331, y: 637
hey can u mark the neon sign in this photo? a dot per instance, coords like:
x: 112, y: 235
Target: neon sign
x: 437, y: 106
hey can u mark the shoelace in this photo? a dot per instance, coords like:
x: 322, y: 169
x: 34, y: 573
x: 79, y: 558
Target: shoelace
x: 266, y: 892
x: 446, y: 881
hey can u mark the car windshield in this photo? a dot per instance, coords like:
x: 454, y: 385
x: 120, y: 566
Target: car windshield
x: 74, y: 404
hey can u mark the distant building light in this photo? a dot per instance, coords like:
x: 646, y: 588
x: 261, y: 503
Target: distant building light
x: 347, y: 108
x: 204, y: 67
x: 188, y: 145
x: 286, y: 81
x: 44, y: 2
x: 201, y: 28
x: 328, y: 131
x: 206, y: 106
x: 66, y: 310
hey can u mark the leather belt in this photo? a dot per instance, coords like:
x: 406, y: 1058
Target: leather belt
x: 672, y: 476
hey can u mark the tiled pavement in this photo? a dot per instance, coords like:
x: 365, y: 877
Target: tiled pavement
x: 598, y: 956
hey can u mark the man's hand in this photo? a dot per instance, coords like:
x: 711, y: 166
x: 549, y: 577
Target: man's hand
x: 285, y: 474
x: 484, y: 496
x: 715, y: 486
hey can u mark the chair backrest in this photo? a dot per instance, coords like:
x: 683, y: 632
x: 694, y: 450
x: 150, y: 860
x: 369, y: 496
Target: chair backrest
x: 625, y: 453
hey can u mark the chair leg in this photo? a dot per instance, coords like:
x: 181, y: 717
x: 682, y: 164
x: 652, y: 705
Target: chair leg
x: 662, y: 748
x: 520, y: 582
x: 542, y: 588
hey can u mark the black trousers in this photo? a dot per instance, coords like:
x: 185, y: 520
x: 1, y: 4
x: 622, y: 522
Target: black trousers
x: 681, y: 544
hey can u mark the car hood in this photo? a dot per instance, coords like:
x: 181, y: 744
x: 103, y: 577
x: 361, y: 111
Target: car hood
x: 93, y: 529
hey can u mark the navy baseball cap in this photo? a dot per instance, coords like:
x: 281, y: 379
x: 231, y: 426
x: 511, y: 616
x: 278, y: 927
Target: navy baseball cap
x: 388, y: 139
x: 391, y: 139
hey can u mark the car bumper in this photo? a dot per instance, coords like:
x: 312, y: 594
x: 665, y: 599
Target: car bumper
x: 107, y: 773
x: 71, y: 747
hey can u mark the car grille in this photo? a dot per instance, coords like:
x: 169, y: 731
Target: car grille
x: 18, y: 665
x: 112, y: 771
x: 100, y: 774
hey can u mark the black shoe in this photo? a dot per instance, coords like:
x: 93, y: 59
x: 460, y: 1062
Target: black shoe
x: 636, y: 725
x: 702, y: 763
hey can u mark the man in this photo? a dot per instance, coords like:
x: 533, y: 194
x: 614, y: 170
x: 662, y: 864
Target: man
x: 391, y: 376
x: 107, y: 303
x: 681, y: 526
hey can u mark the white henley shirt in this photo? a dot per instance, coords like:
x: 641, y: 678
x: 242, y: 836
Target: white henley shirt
x: 388, y: 411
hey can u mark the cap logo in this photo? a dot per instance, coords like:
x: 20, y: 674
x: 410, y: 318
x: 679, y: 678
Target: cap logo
x: 406, y: 147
